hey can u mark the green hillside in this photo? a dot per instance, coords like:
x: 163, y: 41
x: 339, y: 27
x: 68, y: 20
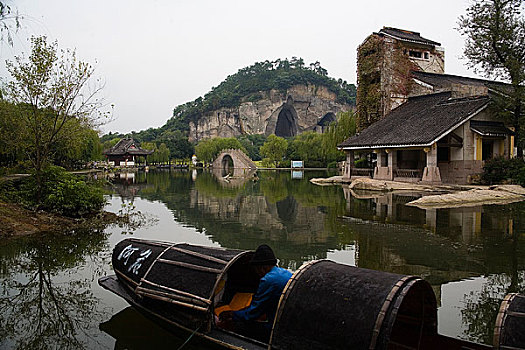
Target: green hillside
x: 263, y: 76
x: 244, y: 85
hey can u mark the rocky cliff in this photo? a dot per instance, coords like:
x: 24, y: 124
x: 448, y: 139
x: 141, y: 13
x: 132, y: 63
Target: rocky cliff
x: 301, y: 108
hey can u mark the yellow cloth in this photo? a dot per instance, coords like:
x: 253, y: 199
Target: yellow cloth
x: 239, y: 301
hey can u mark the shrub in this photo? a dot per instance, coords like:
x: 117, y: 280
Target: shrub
x: 332, y: 165
x: 267, y: 163
x: 520, y: 178
x: 498, y: 170
x: 315, y: 164
x: 62, y: 193
x: 286, y: 163
x: 74, y: 197
x: 9, y: 191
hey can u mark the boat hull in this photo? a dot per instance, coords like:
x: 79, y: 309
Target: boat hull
x: 217, y: 338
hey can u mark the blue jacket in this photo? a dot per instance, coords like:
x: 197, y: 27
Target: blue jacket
x: 266, y: 299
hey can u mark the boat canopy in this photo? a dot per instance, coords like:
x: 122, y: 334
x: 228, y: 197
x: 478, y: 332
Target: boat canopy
x: 509, y: 332
x: 181, y: 282
x: 325, y: 305
x: 334, y: 306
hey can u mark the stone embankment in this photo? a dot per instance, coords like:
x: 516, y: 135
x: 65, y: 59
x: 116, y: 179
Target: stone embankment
x: 503, y: 194
x: 368, y: 184
x: 334, y: 180
x: 456, y: 196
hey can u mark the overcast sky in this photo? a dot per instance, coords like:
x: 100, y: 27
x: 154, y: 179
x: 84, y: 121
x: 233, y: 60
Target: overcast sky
x: 155, y: 55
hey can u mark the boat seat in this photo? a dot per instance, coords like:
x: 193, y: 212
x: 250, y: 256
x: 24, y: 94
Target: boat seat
x: 238, y: 302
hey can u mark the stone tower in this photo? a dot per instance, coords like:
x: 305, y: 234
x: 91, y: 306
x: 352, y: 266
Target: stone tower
x: 384, y: 63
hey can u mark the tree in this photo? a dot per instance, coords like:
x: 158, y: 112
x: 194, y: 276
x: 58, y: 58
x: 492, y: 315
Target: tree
x: 337, y: 133
x: 307, y: 147
x: 9, y: 21
x: 107, y: 144
x: 252, y: 144
x: 274, y: 149
x: 163, y: 153
x: 150, y: 146
x: 207, y: 150
x: 495, y: 46
x: 51, y: 90
x: 9, y: 152
x: 177, y: 143
x: 80, y: 145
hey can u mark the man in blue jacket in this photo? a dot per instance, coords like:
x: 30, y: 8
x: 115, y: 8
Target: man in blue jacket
x: 265, y: 300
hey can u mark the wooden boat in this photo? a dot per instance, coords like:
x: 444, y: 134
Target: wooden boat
x: 325, y: 305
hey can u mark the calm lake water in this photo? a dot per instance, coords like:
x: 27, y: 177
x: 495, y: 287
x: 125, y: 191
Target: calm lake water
x: 49, y: 296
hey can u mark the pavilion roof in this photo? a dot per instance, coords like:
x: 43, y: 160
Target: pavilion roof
x: 127, y: 146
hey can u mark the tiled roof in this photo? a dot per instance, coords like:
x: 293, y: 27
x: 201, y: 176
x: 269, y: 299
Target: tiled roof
x: 488, y: 128
x: 445, y: 81
x: 418, y: 122
x: 126, y: 146
x: 407, y: 35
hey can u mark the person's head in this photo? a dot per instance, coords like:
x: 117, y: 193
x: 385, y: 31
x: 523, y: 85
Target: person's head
x: 263, y: 260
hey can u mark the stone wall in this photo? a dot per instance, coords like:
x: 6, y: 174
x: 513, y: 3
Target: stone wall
x: 392, y: 77
x: 394, y: 86
x: 463, y: 90
x: 459, y: 171
x: 306, y: 105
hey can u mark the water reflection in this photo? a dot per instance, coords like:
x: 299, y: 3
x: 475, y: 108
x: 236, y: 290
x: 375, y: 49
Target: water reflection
x: 478, y: 315
x: 128, y: 184
x: 305, y: 221
x: 297, y: 174
x: 46, y: 295
x: 446, y: 245
x: 131, y: 330
x: 235, y: 177
x: 450, y: 248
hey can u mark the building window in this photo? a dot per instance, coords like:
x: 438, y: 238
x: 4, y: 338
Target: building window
x: 416, y: 54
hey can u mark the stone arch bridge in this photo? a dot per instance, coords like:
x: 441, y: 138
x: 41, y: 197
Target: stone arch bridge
x: 234, y: 162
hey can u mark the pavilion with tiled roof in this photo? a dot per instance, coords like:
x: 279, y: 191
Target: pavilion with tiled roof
x: 124, y: 153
